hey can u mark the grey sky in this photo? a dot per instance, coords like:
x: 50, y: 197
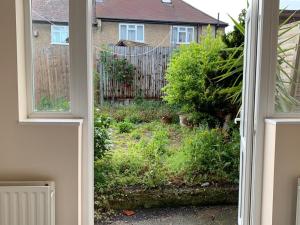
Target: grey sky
x: 224, y: 7
x: 290, y: 4
x: 232, y: 7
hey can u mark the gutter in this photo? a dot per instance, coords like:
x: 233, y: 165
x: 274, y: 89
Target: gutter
x: 161, y: 22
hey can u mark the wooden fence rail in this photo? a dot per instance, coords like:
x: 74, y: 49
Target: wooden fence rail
x: 149, y: 76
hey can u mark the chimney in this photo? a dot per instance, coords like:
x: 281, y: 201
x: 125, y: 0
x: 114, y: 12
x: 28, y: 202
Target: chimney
x: 167, y: 1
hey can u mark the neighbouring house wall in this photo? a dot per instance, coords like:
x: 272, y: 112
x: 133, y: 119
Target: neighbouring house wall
x: 155, y: 34
x: 36, y: 151
x: 108, y: 33
x: 281, y: 170
x: 43, y: 38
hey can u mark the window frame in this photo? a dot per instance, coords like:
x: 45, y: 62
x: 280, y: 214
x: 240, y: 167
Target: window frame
x: 136, y: 28
x: 274, y: 28
x: 31, y: 112
x: 81, y: 94
x: 52, y: 30
x: 186, y: 33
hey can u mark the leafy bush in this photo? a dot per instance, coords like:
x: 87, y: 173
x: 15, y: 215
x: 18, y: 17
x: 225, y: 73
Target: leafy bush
x: 118, y: 67
x: 101, y: 135
x: 192, y: 78
x: 125, y: 127
x: 209, y: 155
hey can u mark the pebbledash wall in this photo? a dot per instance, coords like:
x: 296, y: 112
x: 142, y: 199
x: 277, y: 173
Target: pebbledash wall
x: 108, y: 33
x: 32, y: 150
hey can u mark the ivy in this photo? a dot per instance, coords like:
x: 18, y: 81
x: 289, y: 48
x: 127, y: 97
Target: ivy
x: 118, y: 67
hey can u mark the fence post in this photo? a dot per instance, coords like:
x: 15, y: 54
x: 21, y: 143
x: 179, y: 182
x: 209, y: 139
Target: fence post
x: 100, y: 72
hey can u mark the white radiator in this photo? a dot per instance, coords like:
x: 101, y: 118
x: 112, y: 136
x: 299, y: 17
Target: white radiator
x: 27, y: 203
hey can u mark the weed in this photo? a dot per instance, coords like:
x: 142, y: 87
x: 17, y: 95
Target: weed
x: 125, y: 127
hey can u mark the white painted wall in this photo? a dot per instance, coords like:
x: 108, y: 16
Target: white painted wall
x: 35, y: 151
x: 281, y: 170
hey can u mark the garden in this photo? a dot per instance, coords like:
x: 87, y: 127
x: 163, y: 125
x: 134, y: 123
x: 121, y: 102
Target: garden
x: 181, y: 150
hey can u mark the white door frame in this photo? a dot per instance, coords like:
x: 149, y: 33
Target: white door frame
x: 247, y: 113
x: 265, y: 66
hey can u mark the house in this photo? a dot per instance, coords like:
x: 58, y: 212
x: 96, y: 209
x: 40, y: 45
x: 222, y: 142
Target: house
x: 290, y: 15
x: 155, y: 22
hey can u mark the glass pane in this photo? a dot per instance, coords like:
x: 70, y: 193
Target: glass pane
x: 51, y: 60
x: 140, y: 33
x: 131, y: 35
x: 55, y: 36
x: 174, y: 35
x: 288, y: 58
x: 64, y: 37
x: 131, y: 27
x: 182, y: 37
x: 190, y: 35
x: 123, y: 35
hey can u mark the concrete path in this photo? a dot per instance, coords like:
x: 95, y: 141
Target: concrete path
x: 221, y: 215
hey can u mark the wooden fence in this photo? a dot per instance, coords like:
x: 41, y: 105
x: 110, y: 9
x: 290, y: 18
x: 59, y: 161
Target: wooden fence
x: 149, y: 76
x: 52, y: 73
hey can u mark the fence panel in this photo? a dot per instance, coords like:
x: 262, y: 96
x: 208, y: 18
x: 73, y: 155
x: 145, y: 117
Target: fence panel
x: 149, y: 77
x: 52, y: 73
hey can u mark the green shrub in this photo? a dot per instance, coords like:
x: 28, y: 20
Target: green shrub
x: 125, y: 127
x: 192, y: 78
x: 101, y: 135
x: 118, y: 67
x: 212, y: 156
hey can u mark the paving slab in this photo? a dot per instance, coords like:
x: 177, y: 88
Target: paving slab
x: 218, y: 215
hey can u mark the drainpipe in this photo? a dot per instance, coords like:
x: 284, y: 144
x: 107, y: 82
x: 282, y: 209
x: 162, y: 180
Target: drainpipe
x: 94, y: 12
x: 198, y: 37
x: 218, y: 24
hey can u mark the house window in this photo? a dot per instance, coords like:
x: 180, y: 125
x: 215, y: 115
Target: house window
x: 182, y: 34
x: 131, y: 32
x: 59, y: 34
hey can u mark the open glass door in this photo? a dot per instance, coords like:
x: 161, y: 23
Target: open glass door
x: 248, y: 112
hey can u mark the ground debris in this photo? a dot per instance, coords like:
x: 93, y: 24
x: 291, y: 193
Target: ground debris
x: 128, y: 213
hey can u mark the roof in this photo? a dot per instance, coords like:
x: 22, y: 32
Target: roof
x: 153, y: 11
x: 292, y: 15
x: 127, y: 10
x: 50, y: 11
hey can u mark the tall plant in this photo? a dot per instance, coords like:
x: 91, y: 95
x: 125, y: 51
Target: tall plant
x: 191, y: 77
x: 232, y: 66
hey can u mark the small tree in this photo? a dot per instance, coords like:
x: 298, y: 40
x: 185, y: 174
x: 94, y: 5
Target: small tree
x: 191, y: 77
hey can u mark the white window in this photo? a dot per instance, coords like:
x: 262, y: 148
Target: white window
x: 49, y: 64
x: 59, y: 34
x: 131, y: 32
x: 182, y: 34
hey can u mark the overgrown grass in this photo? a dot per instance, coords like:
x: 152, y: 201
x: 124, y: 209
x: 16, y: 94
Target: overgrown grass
x: 140, y: 112
x: 154, y: 154
x: 146, y: 152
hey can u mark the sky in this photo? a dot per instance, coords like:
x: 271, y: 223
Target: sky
x: 290, y: 4
x: 224, y: 7
x: 233, y: 8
